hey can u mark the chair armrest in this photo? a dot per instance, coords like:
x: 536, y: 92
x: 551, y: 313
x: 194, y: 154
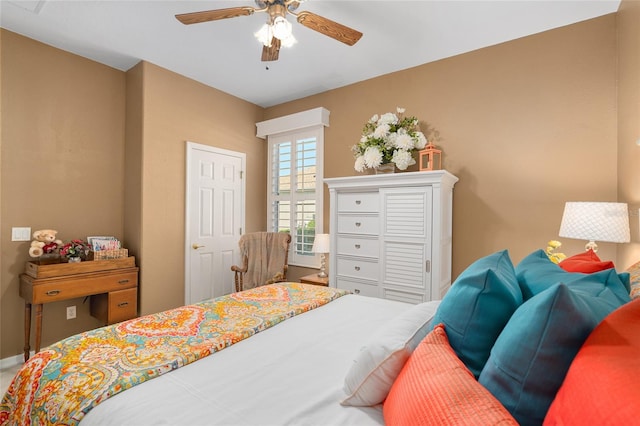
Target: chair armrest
x: 242, y: 269
x: 235, y: 268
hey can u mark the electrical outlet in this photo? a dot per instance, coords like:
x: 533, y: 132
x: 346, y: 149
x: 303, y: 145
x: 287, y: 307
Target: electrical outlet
x: 71, y: 312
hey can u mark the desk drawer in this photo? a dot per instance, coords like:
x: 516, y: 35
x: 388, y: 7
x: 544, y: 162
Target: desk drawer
x: 115, y: 306
x: 54, y: 289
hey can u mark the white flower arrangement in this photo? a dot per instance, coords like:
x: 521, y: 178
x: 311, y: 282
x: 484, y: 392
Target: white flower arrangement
x: 389, y: 138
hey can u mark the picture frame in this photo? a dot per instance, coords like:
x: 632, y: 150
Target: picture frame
x: 99, y: 243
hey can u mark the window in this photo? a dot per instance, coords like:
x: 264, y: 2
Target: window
x: 295, y: 181
x: 295, y: 190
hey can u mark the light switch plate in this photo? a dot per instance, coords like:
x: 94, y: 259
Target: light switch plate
x: 20, y: 234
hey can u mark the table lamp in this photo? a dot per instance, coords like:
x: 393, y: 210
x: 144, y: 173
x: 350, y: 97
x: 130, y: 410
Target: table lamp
x: 321, y: 245
x: 596, y: 221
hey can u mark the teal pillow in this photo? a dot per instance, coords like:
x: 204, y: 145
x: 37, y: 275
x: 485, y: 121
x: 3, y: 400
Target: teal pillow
x: 532, y: 354
x: 537, y: 272
x: 625, y: 277
x: 477, y: 307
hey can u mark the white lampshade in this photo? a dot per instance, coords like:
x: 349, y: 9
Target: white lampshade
x: 281, y: 27
x: 321, y: 243
x: 264, y: 35
x: 596, y: 221
x: 289, y: 41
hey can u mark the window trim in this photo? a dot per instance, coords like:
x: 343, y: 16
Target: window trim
x: 287, y: 123
x: 311, y: 121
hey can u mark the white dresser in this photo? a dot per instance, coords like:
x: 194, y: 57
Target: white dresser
x: 391, y: 234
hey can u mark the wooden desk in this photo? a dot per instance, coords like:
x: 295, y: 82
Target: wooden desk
x: 113, y: 285
x: 315, y: 279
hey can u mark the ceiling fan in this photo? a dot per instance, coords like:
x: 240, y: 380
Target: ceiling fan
x: 277, y: 31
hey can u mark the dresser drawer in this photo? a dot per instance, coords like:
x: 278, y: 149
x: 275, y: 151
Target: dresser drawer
x: 53, y: 289
x: 358, y: 268
x: 358, y: 202
x: 361, y: 288
x: 351, y: 224
x: 354, y: 246
x: 115, y: 306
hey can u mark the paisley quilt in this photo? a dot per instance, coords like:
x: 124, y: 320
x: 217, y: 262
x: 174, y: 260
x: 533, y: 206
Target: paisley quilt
x: 60, y: 384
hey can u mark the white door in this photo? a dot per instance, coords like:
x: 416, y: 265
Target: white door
x: 214, y: 220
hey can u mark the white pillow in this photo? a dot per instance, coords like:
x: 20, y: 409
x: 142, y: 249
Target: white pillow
x: 378, y: 363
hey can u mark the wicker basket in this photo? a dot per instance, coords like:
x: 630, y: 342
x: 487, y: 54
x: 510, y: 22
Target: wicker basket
x: 110, y: 254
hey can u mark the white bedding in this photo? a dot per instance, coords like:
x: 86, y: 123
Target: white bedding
x: 290, y: 374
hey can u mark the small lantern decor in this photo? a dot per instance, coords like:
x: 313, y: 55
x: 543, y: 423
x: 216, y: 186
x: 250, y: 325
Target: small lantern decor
x: 430, y: 158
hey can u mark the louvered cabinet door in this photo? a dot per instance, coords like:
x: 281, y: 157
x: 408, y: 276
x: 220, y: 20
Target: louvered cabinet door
x: 406, y: 237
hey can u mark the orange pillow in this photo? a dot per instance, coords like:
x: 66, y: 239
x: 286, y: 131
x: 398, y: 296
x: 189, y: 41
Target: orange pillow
x: 586, y: 262
x: 435, y: 388
x: 602, y: 384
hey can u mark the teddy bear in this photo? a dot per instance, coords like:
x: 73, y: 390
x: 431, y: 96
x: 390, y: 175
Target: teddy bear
x: 44, y: 241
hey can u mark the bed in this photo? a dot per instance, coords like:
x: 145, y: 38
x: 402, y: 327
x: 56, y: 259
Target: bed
x: 287, y: 366
x: 496, y: 350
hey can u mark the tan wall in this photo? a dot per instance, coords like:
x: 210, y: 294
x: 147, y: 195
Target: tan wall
x: 525, y: 125
x: 175, y: 110
x: 62, y: 166
x: 628, y: 19
x: 133, y: 163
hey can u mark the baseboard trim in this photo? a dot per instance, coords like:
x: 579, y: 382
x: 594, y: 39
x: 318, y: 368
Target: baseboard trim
x: 12, y: 361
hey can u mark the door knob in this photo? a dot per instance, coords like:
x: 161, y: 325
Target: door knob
x: 196, y: 246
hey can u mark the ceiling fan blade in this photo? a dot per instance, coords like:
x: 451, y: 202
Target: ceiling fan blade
x: 214, y: 15
x: 329, y: 28
x: 271, y: 53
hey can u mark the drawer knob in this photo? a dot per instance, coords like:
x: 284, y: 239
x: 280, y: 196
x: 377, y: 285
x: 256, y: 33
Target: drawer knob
x: 52, y: 292
x: 122, y: 304
x: 357, y: 268
x: 358, y: 202
x: 356, y: 291
x: 123, y: 281
x: 357, y: 246
x: 358, y: 224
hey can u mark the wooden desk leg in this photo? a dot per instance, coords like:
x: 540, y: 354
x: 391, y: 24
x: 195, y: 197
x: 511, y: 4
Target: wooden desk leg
x: 38, y: 326
x: 27, y: 330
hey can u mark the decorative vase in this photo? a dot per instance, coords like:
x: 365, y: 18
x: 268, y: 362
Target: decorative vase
x: 75, y: 259
x: 385, y: 168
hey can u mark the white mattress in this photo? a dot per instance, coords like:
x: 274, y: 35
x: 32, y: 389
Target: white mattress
x: 290, y: 374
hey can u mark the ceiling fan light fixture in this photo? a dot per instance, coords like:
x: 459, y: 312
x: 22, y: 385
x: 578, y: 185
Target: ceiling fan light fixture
x: 289, y: 41
x: 264, y: 35
x: 277, y: 32
x: 281, y: 28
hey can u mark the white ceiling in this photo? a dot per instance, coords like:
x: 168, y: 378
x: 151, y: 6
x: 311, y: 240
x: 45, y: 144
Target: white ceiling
x: 225, y: 55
